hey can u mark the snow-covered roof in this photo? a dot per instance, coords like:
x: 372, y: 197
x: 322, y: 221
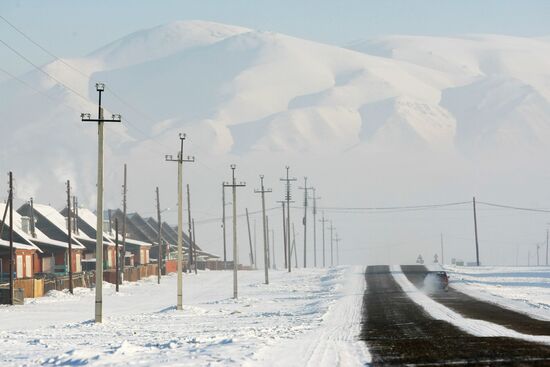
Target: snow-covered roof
x: 91, y: 219
x: 18, y: 245
x: 58, y: 220
x: 18, y: 228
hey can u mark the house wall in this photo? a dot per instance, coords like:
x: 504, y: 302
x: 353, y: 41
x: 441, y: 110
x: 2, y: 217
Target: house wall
x: 23, y: 263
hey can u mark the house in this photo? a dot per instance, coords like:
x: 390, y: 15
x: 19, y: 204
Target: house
x: 45, y: 228
x: 87, y: 234
x: 25, y: 256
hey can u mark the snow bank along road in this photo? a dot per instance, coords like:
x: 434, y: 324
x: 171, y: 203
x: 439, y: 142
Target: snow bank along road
x: 399, y: 330
x: 309, y: 317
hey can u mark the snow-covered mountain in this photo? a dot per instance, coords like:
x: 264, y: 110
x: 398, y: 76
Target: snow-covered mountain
x: 255, y: 97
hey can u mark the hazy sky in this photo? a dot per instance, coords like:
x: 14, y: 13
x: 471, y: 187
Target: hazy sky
x: 77, y: 27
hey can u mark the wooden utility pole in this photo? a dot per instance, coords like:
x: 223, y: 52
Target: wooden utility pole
x: 69, y: 232
x: 315, y: 198
x: 324, y: 252
x: 255, y: 248
x: 12, y: 257
x: 194, y: 244
x: 284, y: 234
x: 475, y: 230
x: 223, y: 227
x: 331, y: 228
x: 304, y: 221
x: 124, y: 192
x: 234, y: 186
x: 180, y: 161
x: 190, y: 254
x: 263, y: 191
x: 117, y: 254
x: 159, y: 257
x: 288, y: 198
x: 249, y: 239
x: 75, y: 216
x: 33, y: 227
x: 100, y: 87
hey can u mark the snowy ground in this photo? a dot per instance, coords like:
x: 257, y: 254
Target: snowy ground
x: 523, y: 289
x: 309, y: 317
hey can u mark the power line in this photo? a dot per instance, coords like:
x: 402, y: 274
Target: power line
x: 425, y: 206
x: 514, y: 207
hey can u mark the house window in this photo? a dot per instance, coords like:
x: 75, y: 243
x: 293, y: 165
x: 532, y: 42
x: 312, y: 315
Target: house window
x: 19, y: 269
x: 28, y: 266
x: 78, y: 263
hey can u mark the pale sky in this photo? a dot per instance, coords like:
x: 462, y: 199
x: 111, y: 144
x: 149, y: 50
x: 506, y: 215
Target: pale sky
x: 72, y: 28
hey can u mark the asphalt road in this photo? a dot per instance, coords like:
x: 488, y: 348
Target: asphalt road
x: 399, y: 332
x: 475, y: 309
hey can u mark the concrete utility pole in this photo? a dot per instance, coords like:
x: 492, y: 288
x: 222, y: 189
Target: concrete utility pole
x: 159, y: 257
x: 315, y: 198
x: 331, y: 228
x: 70, y: 246
x: 117, y: 262
x: 234, y: 186
x: 288, y: 198
x: 180, y: 161
x: 323, y: 221
x: 284, y: 234
x: 12, y: 257
x: 223, y: 227
x: 249, y: 239
x: 263, y: 191
x: 273, y: 249
x: 124, y: 191
x: 100, y: 87
x: 255, y: 248
x: 304, y: 222
x: 190, y: 254
x: 475, y: 230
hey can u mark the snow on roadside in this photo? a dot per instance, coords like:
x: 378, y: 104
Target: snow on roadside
x: 440, y: 312
x: 142, y: 328
x: 521, y: 289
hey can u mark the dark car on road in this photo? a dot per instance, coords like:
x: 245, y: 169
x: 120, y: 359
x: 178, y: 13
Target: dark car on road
x: 436, y: 280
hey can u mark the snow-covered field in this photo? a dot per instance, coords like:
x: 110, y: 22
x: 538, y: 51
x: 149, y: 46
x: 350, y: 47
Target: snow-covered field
x: 309, y: 317
x: 523, y: 289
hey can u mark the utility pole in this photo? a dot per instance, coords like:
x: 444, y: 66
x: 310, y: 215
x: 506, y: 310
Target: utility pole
x: 315, y: 198
x: 305, y: 188
x: 124, y: 191
x: 263, y: 191
x: 331, y: 228
x: 475, y: 230
x: 33, y: 227
x: 100, y: 87
x: 288, y: 198
x: 442, y: 258
x: 223, y: 227
x: 538, y: 246
x: 324, y: 221
x: 12, y: 258
x: 180, y: 161
x: 69, y: 232
x: 159, y: 258
x: 194, y: 244
x: 117, y: 254
x: 234, y: 186
x: 284, y: 234
x: 190, y: 254
x: 75, y: 216
x: 249, y: 239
